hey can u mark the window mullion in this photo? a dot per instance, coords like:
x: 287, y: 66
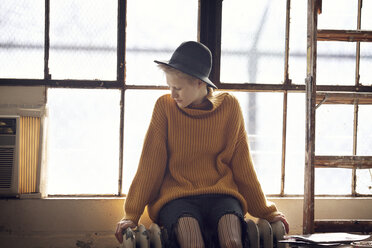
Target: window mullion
x: 122, y: 10
x: 47, y: 76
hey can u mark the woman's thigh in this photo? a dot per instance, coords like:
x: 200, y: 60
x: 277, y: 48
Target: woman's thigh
x: 171, y: 213
x: 206, y: 209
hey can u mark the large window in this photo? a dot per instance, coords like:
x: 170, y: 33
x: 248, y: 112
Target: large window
x: 102, y: 84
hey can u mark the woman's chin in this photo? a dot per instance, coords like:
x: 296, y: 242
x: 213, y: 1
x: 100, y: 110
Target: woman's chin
x: 181, y: 104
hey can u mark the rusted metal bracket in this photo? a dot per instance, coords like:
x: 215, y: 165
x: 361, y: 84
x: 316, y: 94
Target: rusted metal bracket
x: 323, y: 101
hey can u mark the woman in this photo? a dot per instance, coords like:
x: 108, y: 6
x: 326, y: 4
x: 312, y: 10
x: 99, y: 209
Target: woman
x: 195, y: 173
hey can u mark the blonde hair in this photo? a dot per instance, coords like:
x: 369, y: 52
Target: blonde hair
x: 172, y: 71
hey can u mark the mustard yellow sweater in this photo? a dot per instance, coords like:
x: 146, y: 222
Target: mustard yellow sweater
x: 193, y: 151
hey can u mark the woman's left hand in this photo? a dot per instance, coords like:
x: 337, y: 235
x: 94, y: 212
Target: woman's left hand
x: 282, y: 218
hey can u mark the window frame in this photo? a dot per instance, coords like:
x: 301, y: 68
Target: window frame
x: 209, y: 33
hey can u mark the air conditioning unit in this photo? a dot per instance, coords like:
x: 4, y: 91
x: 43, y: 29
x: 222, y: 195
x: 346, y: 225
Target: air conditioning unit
x: 9, y: 150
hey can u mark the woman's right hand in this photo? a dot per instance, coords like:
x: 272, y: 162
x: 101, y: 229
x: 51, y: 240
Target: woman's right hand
x: 122, y: 225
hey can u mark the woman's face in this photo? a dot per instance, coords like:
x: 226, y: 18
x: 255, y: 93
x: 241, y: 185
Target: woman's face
x: 185, y: 91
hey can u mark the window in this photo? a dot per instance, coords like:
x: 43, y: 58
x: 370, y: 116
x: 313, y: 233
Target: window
x: 171, y: 22
x: 83, y: 141
x: 83, y: 39
x: 262, y: 113
x: 102, y: 83
x: 248, y: 54
x: 22, y: 39
x: 139, y: 106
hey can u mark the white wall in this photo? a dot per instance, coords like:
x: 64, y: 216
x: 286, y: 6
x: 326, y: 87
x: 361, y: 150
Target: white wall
x: 17, y: 100
x: 23, y: 101
x: 22, y: 95
x: 91, y: 222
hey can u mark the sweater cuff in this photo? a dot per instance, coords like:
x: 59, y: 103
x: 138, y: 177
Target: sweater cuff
x: 133, y: 217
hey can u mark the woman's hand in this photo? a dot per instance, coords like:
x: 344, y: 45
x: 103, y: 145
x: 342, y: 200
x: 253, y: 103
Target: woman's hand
x: 122, y: 225
x: 282, y: 218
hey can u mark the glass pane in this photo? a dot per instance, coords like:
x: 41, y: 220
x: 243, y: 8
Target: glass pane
x: 336, y: 63
x: 83, y: 141
x: 83, y: 37
x: 295, y: 146
x: 22, y: 39
x: 136, y: 122
x: 334, y: 136
x: 252, y: 49
x: 263, y: 119
x: 365, y: 71
x: 172, y: 22
x: 332, y: 181
x: 338, y: 14
x: 364, y: 181
x: 334, y: 130
x: 298, y: 42
x: 364, y: 148
x: 366, y: 15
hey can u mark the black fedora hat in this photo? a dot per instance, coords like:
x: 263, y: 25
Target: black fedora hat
x: 192, y: 58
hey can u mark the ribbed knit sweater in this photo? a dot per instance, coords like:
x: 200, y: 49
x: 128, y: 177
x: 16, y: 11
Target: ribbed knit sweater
x: 193, y: 151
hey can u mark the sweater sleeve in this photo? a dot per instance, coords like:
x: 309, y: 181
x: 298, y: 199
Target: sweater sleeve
x: 246, y: 178
x: 151, y: 168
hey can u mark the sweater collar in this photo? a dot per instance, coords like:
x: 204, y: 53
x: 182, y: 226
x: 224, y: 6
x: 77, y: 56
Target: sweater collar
x: 213, y: 102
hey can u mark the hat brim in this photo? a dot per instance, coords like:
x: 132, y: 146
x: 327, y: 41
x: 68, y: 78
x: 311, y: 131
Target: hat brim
x: 204, y: 79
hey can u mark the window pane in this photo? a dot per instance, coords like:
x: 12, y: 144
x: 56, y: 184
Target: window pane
x: 334, y: 130
x: 336, y: 63
x: 263, y: 118
x: 364, y: 148
x: 338, y: 14
x: 366, y: 15
x: 22, y: 39
x: 252, y: 48
x: 334, y: 136
x: 295, y: 146
x: 83, y: 141
x: 298, y: 42
x: 83, y: 39
x: 332, y: 181
x: 365, y: 62
x: 139, y: 105
x: 364, y: 181
x: 171, y: 22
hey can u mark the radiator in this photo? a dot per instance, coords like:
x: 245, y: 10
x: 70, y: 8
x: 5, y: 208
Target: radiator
x: 261, y: 235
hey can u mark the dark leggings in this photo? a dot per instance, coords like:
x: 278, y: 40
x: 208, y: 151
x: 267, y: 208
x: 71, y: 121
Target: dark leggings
x: 207, y: 210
